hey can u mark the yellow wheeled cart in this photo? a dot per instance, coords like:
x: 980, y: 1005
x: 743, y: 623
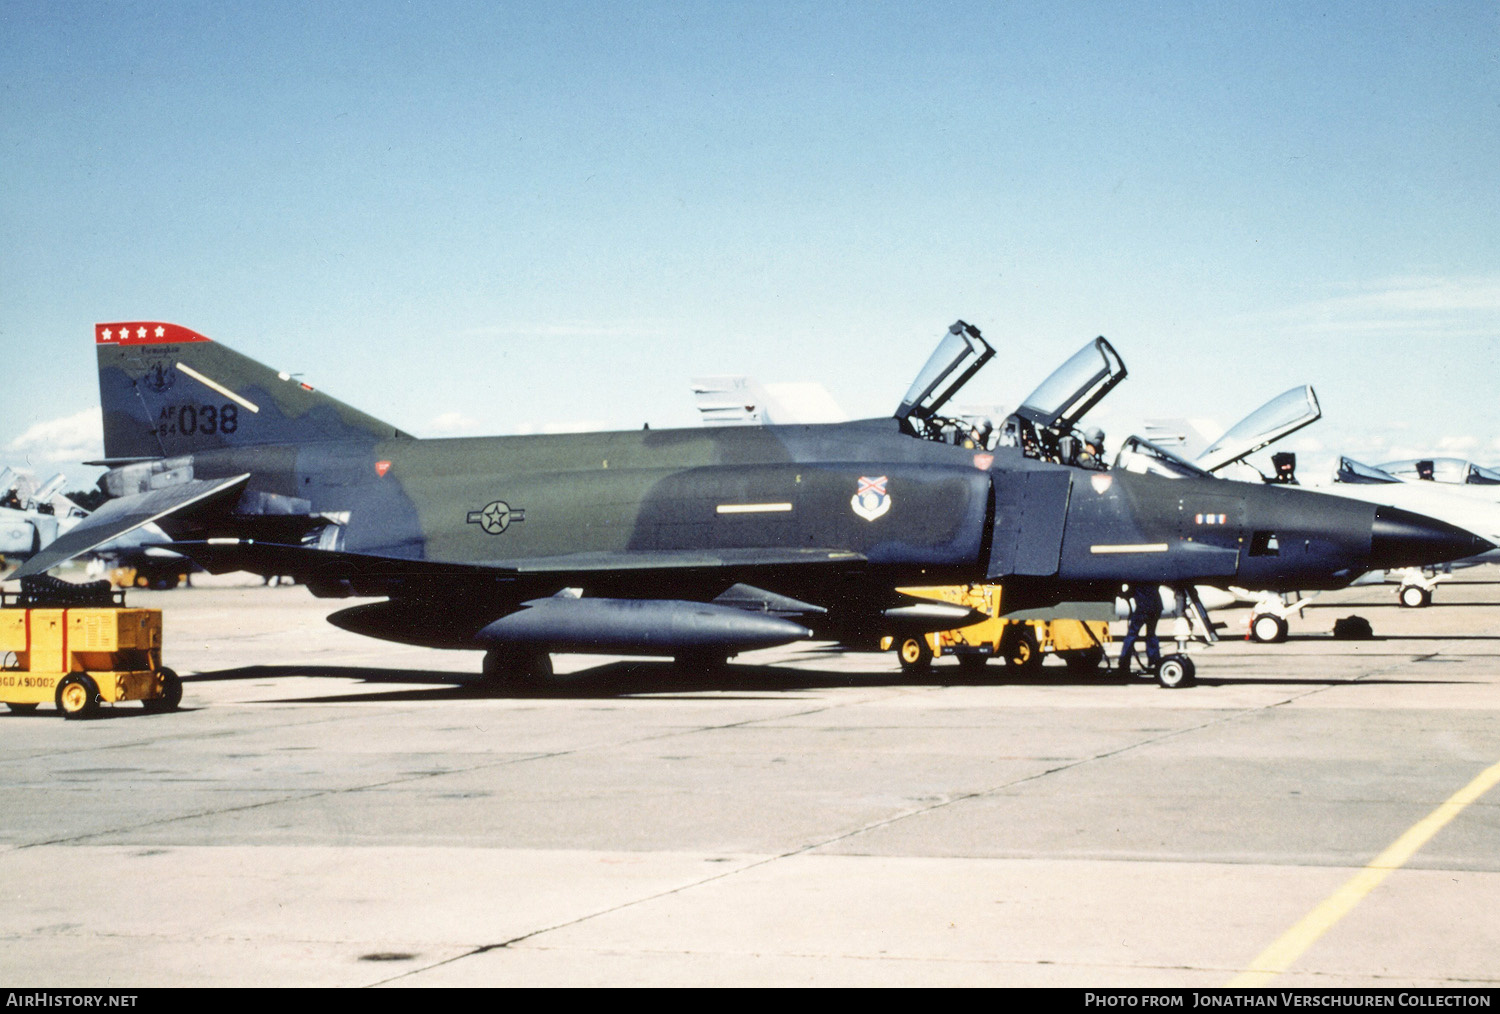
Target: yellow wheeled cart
x: 82, y: 658
x: 1022, y: 643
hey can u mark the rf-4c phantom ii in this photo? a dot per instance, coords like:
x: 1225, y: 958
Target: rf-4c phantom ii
x: 695, y: 543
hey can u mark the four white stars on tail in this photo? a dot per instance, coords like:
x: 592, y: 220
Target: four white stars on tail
x: 140, y: 333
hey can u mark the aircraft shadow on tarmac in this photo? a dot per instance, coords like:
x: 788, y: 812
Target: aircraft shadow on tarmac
x: 1437, y: 603
x: 664, y: 680
x: 1325, y: 638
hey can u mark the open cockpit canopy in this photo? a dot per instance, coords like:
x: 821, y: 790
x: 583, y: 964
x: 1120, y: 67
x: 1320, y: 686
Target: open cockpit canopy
x: 1043, y: 425
x: 1286, y: 413
x: 1074, y: 387
x: 959, y: 355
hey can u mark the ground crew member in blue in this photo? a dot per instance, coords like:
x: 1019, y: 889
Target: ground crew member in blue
x: 1145, y: 610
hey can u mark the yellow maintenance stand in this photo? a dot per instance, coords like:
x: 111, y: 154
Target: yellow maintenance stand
x: 1022, y: 643
x: 81, y: 658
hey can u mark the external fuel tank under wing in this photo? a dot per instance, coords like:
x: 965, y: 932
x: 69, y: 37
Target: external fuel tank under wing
x: 698, y: 542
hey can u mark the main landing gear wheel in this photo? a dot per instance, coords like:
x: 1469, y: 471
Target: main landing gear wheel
x: 77, y: 696
x: 1414, y: 596
x: 1267, y: 628
x: 1021, y: 650
x: 171, y: 693
x: 516, y: 666
x: 915, y: 654
x: 1175, y: 671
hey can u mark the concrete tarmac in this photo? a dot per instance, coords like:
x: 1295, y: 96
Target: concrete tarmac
x: 329, y: 810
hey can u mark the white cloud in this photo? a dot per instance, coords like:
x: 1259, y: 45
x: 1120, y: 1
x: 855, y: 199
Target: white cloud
x: 1417, y: 307
x: 68, y: 440
x: 452, y: 424
x: 567, y: 426
x: 565, y: 329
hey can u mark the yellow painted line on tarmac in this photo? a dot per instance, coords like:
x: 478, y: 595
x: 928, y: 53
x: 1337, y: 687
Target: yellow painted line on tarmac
x: 1294, y: 942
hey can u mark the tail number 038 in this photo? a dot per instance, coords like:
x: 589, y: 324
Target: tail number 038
x: 187, y: 420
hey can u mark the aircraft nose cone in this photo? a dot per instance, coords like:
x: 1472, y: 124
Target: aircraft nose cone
x: 1401, y: 538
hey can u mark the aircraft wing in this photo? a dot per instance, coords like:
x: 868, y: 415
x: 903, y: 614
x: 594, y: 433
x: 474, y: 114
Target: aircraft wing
x: 308, y: 563
x: 126, y: 514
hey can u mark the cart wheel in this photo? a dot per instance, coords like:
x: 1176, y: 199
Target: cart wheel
x: 1414, y: 596
x: 21, y: 708
x: 915, y: 654
x: 77, y: 696
x: 1021, y: 650
x: 171, y: 693
x: 1175, y: 671
x: 1267, y: 628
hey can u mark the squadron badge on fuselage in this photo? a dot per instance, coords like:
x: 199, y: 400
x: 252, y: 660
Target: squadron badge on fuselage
x: 495, y: 517
x: 872, y: 500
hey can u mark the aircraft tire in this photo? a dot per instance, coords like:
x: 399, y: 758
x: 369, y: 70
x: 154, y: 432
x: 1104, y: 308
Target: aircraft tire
x: 1414, y: 596
x: 77, y: 696
x: 171, y: 693
x: 1267, y: 628
x: 1175, y: 671
x: 1021, y: 650
x: 914, y: 654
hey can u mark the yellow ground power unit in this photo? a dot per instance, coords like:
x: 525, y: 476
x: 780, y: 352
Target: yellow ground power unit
x: 82, y: 658
x: 1022, y: 643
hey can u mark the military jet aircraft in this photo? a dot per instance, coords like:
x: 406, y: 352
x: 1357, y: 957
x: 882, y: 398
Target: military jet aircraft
x: 1480, y: 515
x: 1444, y: 471
x: 32, y: 515
x: 693, y: 543
x: 743, y: 401
x: 1276, y: 419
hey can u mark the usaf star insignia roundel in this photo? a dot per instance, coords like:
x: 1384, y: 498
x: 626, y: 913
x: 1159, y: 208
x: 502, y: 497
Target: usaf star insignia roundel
x: 495, y: 517
x: 872, y: 500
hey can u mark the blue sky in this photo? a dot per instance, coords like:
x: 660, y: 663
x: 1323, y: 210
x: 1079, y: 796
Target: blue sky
x: 503, y: 218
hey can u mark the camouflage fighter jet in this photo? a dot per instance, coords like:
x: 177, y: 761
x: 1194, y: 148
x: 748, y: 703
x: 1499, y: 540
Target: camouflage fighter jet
x: 695, y: 543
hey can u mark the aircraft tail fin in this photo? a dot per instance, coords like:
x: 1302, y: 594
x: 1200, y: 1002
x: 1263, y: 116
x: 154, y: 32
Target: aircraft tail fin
x: 166, y: 390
